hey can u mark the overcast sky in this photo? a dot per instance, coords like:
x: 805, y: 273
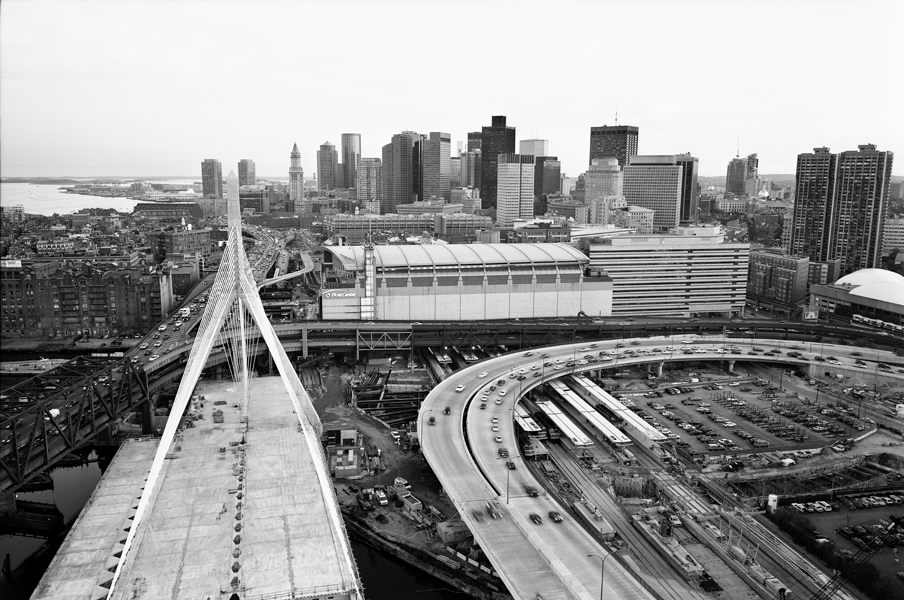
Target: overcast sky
x: 128, y: 88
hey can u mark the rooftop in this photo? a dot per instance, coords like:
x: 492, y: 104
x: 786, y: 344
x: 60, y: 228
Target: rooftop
x: 436, y: 255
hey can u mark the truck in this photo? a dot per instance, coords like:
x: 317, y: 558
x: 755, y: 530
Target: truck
x: 380, y: 497
x: 185, y: 312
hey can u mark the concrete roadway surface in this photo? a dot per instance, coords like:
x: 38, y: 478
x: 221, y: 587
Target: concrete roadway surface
x: 547, y: 558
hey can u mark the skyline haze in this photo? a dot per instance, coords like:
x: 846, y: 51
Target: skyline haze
x: 140, y: 88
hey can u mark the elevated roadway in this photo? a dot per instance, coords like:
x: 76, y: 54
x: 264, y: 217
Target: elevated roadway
x: 460, y: 444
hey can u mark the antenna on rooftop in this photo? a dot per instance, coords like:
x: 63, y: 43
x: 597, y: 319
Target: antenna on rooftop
x: 616, y: 114
x: 738, y: 155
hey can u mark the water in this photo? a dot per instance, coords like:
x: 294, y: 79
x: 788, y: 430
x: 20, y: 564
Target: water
x: 47, y: 200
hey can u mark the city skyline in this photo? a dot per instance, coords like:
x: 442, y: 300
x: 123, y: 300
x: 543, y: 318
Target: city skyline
x: 116, y: 89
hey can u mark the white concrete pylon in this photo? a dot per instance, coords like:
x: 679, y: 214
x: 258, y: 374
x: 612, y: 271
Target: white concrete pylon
x: 234, y: 289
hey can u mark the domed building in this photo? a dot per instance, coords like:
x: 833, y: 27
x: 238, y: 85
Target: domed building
x: 863, y: 296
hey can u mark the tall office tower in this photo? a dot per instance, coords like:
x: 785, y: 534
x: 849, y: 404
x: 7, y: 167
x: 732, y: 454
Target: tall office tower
x: 247, y: 175
x: 470, y: 169
x: 515, y: 180
x: 437, y: 167
x: 860, y: 207
x: 417, y: 165
x: 455, y: 171
x: 655, y: 182
x: 327, y: 167
x: 604, y: 189
x: 813, y: 194
x: 351, y: 154
x: 474, y: 141
x: 211, y: 178
x: 547, y: 175
x: 494, y: 140
x: 369, y: 184
x: 736, y: 176
x: 751, y: 180
x: 619, y: 141
x: 534, y: 147
x: 296, y: 176
x: 690, y: 195
x: 397, y: 172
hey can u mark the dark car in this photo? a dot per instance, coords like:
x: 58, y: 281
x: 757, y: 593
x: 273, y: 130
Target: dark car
x: 535, y: 518
x: 510, y: 464
x: 531, y: 491
x: 555, y: 516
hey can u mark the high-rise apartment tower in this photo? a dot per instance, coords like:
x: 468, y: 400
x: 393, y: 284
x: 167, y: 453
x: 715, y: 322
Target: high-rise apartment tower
x: 351, y: 154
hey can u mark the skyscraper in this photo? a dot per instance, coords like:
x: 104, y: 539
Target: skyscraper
x: 247, y: 175
x: 655, y: 182
x: 436, y: 166
x: 211, y: 178
x: 296, y: 176
x: 470, y: 168
x: 547, y: 175
x: 327, y: 167
x: 455, y: 171
x: 397, y: 171
x: 862, y: 183
x: 841, y: 205
x: 515, y: 179
x: 619, y: 141
x: 351, y: 154
x: 813, y: 196
x: 494, y: 140
x: 369, y: 184
x: 604, y: 189
x: 736, y: 176
x: 474, y: 141
x: 690, y: 201
x: 751, y: 179
x: 533, y: 147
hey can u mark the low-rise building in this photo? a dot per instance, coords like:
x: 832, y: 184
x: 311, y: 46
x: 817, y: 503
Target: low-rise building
x: 635, y: 217
x: 776, y: 280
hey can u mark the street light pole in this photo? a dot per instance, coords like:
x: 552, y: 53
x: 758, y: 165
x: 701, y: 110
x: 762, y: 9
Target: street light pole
x: 602, y: 570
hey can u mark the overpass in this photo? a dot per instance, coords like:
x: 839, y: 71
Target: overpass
x: 32, y: 438
x: 458, y: 440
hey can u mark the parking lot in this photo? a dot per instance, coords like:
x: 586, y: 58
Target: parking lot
x: 715, y: 412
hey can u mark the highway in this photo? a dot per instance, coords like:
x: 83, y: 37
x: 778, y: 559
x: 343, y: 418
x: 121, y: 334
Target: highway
x: 462, y: 448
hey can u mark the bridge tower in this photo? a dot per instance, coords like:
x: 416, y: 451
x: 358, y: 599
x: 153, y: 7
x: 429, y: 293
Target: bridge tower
x: 235, y: 319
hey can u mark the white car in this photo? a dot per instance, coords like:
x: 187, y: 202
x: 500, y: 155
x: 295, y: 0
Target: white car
x: 498, y: 439
x: 503, y: 392
x: 495, y: 427
x: 734, y: 384
x: 460, y: 388
x: 154, y: 357
x: 482, y: 375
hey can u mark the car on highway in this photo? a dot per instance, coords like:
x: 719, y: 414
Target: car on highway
x: 510, y: 464
x: 495, y: 419
x: 154, y: 357
x: 143, y: 347
x: 500, y: 382
x: 483, y: 406
x: 503, y: 392
x: 460, y: 388
x: 555, y: 516
x: 498, y: 439
x: 147, y: 352
x: 492, y: 510
x: 482, y: 375
x: 531, y: 491
x: 535, y: 518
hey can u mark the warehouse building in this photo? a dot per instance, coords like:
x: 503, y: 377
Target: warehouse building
x: 460, y: 282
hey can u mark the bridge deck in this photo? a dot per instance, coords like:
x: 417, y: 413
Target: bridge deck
x: 79, y: 567
x: 187, y: 545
